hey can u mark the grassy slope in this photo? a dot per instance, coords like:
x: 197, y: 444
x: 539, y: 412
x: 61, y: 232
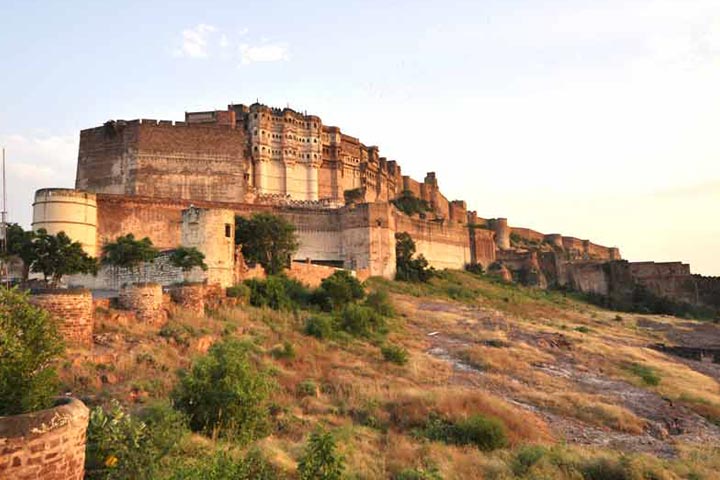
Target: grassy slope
x: 557, y: 371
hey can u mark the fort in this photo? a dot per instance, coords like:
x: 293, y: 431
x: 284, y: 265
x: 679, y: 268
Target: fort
x: 183, y: 182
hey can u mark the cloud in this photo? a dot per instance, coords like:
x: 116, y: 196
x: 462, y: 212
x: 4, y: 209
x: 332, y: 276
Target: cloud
x: 195, y: 41
x: 35, y: 162
x: 263, y: 53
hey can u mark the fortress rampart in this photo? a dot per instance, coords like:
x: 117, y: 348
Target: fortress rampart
x: 182, y: 183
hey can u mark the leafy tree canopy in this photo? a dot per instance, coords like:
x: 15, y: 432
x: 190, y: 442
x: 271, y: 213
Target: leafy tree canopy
x: 188, y: 258
x: 29, y: 343
x: 127, y: 252
x: 408, y: 268
x: 266, y: 239
x: 57, y: 255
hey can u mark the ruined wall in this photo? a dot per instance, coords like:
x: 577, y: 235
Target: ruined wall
x: 72, y: 308
x: 164, y: 159
x: 309, y: 274
x: 191, y: 297
x: 146, y: 300
x: 48, y: 445
x: 160, y: 271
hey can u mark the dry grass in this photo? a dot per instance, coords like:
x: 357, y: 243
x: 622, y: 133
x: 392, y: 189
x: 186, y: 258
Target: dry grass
x: 374, y: 406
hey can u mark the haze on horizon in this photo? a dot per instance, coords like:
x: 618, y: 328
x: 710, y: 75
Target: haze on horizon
x: 595, y: 119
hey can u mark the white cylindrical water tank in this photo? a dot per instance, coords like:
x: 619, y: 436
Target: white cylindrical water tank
x: 67, y: 210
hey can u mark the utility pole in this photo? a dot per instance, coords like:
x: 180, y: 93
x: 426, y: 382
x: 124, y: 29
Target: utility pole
x: 3, y: 227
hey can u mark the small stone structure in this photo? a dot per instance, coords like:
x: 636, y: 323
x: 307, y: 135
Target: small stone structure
x: 48, y: 445
x: 73, y: 308
x: 189, y: 296
x: 146, y: 300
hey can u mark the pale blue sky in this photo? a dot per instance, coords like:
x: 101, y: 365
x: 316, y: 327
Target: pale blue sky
x: 596, y: 119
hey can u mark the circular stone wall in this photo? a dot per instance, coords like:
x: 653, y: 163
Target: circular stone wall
x: 190, y: 297
x: 49, y: 444
x: 145, y: 299
x: 74, y: 309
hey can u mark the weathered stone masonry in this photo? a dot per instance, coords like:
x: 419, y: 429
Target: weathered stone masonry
x: 73, y: 309
x: 47, y: 445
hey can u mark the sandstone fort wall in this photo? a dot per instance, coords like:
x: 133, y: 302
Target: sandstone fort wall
x: 73, y: 310
x: 49, y: 444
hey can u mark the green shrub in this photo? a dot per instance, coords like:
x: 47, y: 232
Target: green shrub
x: 123, y: 446
x: 647, y: 374
x: 307, y: 388
x: 277, y: 292
x: 525, y: 458
x: 379, y: 301
x: 409, y: 204
x: 29, y: 344
x: 180, y: 334
x: 361, y: 321
x: 582, y: 329
x: 320, y: 460
x: 410, y: 269
x: 605, y: 469
x: 320, y: 326
x: 338, y: 290
x: 430, y: 473
x: 284, y: 351
x: 225, y: 394
x: 240, y: 291
x: 221, y: 466
x: 395, y: 354
x: 486, y: 433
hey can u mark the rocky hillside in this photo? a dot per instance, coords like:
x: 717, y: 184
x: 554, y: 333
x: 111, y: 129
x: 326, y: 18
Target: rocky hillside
x: 467, y: 378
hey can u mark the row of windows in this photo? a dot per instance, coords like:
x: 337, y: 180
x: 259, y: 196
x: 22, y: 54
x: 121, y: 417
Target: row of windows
x: 287, y: 152
x: 288, y: 136
x: 289, y: 120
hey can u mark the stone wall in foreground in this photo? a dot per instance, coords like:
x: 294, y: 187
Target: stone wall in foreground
x: 47, y: 445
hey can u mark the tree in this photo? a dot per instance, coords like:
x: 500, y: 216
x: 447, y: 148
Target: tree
x: 57, y: 255
x: 225, y: 393
x: 338, y: 290
x: 408, y: 268
x: 29, y: 343
x: 20, y: 244
x: 126, y: 252
x: 266, y: 239
x: 187, y: 258
x: 321, y: 461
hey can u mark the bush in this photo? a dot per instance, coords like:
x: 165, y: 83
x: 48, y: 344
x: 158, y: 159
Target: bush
x: 338, y: 290
x: 284, y: 351
x: 307, y: 388
x: 410, y: 269
x: 647, y: 374
x: 29, y: 344
x: 122, y: 446
x: 361, y: 321
x: 486, y: 433
x: 395, y: 354
x: 320, y: 461
x: 277, y: 292
x: 225, y: 394
x: 320, y: 326
x: 240, y: 291
x: 418, y: 474
x: 604, y: 469
x: 221, y: 466
x: 380, y: 302
x: 525, y: 458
